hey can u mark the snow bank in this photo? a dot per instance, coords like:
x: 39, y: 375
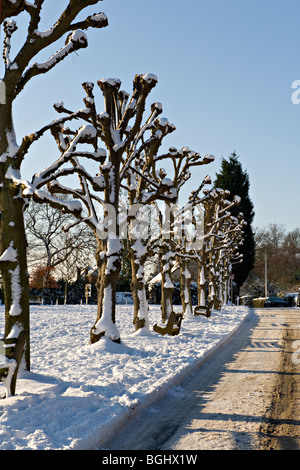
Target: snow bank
x: 77, y: 394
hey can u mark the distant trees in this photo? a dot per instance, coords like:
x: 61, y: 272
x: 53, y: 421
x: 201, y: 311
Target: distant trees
x: 283, y: 257
x: 51, y: 245
x: 222, y: 239
x: 129, y: 163
x: 48, y: 241
x: 233, y: 178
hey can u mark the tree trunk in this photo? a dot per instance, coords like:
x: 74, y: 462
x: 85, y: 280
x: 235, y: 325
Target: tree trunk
x: 66, y: 291
x: 108, y: 259
x: 138, y: 288
x: 211, y: 283
x: 13, y: 262
x: 185, y: 289
x: 225, y: 282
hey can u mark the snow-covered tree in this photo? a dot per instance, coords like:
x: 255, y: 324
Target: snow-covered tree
x: 145, y: 185
x: 126, y: 146
x: 190, y: 242
x: 221, y: 240
x: 19, y: 70
x: 231, y: 254
x: 174, y: 224
x: 48, y: 243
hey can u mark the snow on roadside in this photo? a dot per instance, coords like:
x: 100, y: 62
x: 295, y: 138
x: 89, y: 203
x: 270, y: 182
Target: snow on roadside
x: 77, y: 394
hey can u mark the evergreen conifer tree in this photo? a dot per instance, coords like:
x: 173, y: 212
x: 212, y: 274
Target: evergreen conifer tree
x: 233, y: 178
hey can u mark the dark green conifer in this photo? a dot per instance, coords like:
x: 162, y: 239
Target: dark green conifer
x: 236, y: 180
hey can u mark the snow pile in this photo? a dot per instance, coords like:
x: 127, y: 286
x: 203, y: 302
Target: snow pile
x: 77, y: 394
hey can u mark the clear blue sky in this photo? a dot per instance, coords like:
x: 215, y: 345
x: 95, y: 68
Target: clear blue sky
x: 225, y: 71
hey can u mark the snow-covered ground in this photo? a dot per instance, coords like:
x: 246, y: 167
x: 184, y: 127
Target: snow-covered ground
x: 77, y: 394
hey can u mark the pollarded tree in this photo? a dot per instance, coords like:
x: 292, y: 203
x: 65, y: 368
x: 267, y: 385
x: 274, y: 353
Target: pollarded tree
x: 231, y: 254
x: 18, y: 72
x: 49, y: 244
x: 144, y: 184
x: 210, y: 257
x: 224, y: 253
x: 174, y: 222
x: 47, y: 239
x: 96, y: 202
x: 190, y: 241
x: 143, y: 188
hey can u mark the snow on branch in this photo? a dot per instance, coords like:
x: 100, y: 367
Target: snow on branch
x: 9, y: 26
x: 9, y: 255
x: 56, y: 128
x: 97, y: 20
x: 85, y: 134
x: 75, y: 41
x: 36, y: 41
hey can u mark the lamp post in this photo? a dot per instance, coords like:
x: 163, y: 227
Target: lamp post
x: 266, y: 274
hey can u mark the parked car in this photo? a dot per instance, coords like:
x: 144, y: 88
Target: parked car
x: 292, y: 299
x: 275, y: 302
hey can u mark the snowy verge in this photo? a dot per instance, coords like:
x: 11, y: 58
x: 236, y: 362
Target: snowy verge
x: 77, y: 394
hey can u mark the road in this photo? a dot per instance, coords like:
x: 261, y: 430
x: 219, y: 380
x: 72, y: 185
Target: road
x: 244, y: 397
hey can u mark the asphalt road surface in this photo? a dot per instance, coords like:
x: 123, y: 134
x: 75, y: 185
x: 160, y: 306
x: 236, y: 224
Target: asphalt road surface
x: 244, y: 397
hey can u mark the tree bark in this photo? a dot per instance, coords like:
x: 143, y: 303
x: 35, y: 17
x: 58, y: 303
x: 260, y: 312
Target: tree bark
x: 185, y: 288
x: 13, y: 262
x: 109, y: 258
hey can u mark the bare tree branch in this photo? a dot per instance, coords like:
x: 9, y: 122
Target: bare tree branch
x: 37, y: 41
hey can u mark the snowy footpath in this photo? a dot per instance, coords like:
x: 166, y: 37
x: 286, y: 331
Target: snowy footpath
x: 77, y: 394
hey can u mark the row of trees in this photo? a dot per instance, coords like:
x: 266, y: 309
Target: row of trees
x: 203, y: 230
x: 51, y: 250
